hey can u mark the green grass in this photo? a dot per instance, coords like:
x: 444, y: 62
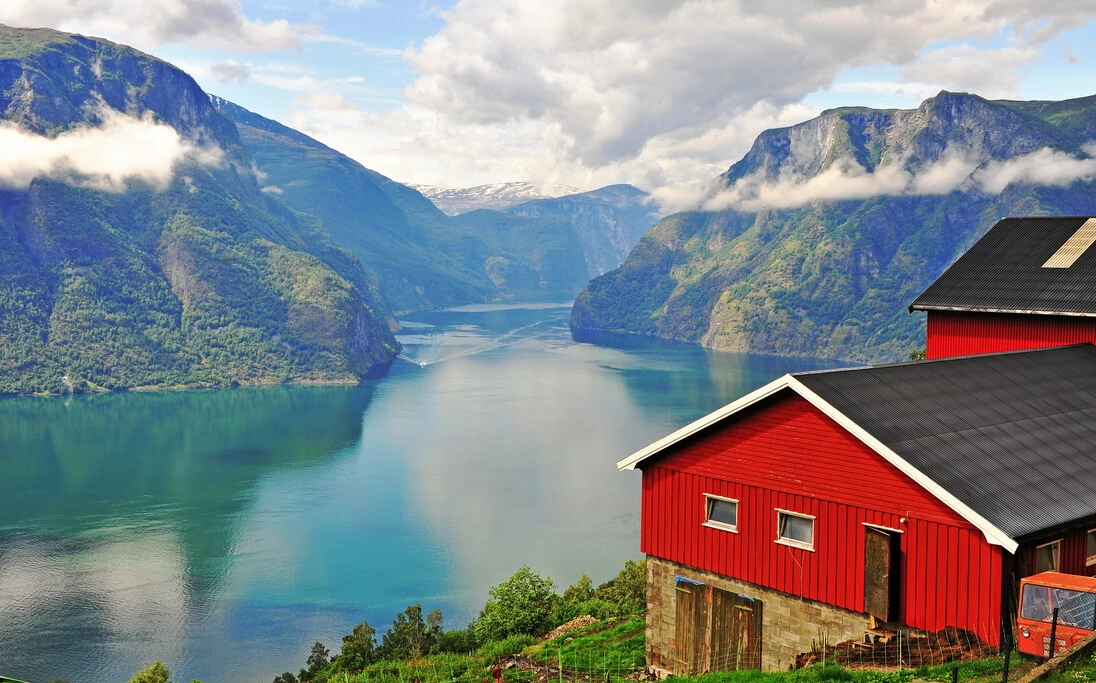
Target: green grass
x: 607, y: 646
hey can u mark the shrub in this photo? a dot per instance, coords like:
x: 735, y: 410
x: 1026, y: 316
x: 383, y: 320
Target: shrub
x: 521, y: 605
x: 506, y: 646
x: 457, y: 641
x: 157, y: 672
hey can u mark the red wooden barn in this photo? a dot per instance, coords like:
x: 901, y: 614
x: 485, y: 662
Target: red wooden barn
x: 1028, y: 283
x: 914, y: 495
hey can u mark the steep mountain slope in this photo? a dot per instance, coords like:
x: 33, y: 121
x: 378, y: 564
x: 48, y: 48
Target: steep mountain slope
x: 424, y: 258
x: 198, y: 278
x: 833, y: 226
x: 497, y: 196
x: 609, y: 221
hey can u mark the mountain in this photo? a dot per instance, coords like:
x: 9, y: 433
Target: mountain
x: 424, y: 259
x: 609, y: 221
x: 494, y: 196
x: 818, y: 238
x: 140, y: 250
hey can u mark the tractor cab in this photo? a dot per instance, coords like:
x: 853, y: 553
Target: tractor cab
x: 1074, y: 597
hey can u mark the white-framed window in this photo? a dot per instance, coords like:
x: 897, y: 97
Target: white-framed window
x: 720, y: 512
x: 795, y: 529
x: 1047, y: 555
x: 1090, y: 548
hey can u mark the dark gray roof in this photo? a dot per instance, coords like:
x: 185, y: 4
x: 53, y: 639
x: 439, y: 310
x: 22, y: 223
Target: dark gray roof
x: 1003, y: 272
x: 1011, y: 435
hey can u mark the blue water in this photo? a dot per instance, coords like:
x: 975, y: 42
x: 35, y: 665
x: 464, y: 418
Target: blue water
x: 226, y: 531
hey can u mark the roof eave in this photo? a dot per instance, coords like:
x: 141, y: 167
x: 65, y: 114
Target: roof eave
x: 972, y: 309
x: 630, y: 462
x: 994, y: 535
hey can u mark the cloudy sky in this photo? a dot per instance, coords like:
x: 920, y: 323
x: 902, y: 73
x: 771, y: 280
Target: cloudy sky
x: 664, y: 94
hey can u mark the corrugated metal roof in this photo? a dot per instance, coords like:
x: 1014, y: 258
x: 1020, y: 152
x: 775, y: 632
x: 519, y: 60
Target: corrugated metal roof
x: 1004, y: 272
x: 1012, y: 436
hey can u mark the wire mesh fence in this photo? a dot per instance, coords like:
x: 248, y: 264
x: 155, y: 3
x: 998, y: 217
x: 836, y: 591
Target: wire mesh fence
x: 906, y: 648
x: 546, y: 666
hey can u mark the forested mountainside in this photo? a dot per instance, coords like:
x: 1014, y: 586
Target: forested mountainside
x: 609, y: 221
x: 136, y: 247
x: 816, y: 241
x: 423, y: 257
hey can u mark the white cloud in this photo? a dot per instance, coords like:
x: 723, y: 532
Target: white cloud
x: 990, y: 73
x: 213, y: 24
x: 230, y: 71
x: 121, y: 150
x: 609, y: 77
x: 955, y: 170
x: 1043, y: 167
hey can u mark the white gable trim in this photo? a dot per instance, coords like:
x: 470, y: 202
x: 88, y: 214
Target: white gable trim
x: 993, y: 535
x: 688, y: 430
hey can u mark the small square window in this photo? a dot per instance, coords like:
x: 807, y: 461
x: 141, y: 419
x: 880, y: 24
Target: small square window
x: 1090, y: 548
x: 795, y: 529
x: 722, y: 513
x: 1046, y: 557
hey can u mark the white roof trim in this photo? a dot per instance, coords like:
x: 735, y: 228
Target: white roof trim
x: 711, y: 418
x: 994, y: 535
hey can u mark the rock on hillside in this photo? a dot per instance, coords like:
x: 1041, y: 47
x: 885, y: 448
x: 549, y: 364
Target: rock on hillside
x: 801, y: 264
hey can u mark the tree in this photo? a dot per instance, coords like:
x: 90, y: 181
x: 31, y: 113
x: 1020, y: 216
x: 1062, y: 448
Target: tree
x: 318, y: 658
x: 628, y: 591
x: 157, y: 672
x: 409, y: 637
x: 521, y: 605
x: 358, y: 648
x: 580, y: 591
x: 287, y: 677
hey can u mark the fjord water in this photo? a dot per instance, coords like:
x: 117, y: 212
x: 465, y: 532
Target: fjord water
x: 225, y: 531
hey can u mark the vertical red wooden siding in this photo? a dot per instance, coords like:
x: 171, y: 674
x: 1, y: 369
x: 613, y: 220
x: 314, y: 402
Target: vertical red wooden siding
x: 787, y: 454
x: 954, y: 333
x: 1073, y: 553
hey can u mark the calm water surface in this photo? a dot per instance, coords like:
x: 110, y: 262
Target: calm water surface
x: 225, y: 531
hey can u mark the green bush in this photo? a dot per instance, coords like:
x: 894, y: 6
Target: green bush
x: 456, y: 641
x: 157, y: 672
x: 521, y: 605
x: 506, y: 646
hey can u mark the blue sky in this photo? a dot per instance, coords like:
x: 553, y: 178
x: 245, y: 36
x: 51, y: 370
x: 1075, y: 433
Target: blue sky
x: 661, y: 93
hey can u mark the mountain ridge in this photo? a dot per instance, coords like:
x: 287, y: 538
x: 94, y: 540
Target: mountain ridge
x: 827, y: 272
x: 193, y: 278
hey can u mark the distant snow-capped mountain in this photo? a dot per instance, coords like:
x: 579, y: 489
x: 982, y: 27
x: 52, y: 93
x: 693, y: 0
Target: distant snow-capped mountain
x: 494, y: 196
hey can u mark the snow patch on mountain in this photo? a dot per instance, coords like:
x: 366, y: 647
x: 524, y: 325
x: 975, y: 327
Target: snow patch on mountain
x: 454, y: 201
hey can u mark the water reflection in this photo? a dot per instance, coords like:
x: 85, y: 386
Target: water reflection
x: 225, y: 531
x: 121, y: 512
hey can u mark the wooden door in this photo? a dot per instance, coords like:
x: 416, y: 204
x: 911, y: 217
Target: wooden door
x: 715, y: 630
x: 736, y: 632
x: 877, y: 574
x: 691, y: 625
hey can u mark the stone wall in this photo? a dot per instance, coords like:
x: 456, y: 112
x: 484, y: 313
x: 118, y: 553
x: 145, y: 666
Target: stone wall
x: 788, y: 625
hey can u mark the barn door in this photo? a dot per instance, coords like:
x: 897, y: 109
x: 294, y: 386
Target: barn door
x: 736, y: 632
x: 691, y: 627
x: 881, y: 563
x: 716, y: 630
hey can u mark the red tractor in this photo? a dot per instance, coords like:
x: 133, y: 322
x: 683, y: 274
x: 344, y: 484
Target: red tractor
x: 1074, y: 597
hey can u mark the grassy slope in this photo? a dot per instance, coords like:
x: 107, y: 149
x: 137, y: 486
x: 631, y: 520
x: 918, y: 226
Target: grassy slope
x: 614, y: 650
